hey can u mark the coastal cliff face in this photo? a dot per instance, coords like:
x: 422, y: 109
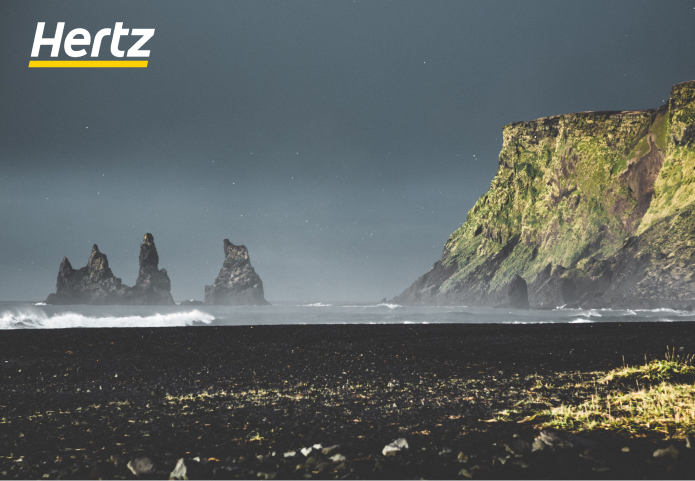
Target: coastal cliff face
x: 237, y: 282
x: 96, y: 284
x: 590, y: 209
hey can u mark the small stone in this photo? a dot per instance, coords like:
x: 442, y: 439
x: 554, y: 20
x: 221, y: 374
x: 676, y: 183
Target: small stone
x: 337, y: 458
x: 305, y: 451
x: 396, y: 446
x: 265, y: 475
x: 140, y: 466
x: 664, y: 452
x: 517, y: 446
x: 538, y: 445
x: 625, y: 449
x: 687, y: 442
x: 179, y: 471
x: 445, y: 450
x: 328, y: 450
x: 289, y: 454
x: 462, y: 458
x: 468, y: 472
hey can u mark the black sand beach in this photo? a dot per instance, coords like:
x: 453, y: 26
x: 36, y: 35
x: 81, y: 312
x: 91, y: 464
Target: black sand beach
x: 232, y: 401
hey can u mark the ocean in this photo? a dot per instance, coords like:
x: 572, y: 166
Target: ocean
x: 33, y: 315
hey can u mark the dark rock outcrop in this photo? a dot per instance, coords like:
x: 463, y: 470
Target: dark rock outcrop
x: 237, y: 283
x: 152, y: 285
x: 514, y: 294
x: 96, y: 284
x: 92, y: 284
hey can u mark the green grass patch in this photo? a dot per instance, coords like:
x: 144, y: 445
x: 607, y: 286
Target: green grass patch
x: 666, y: 408
x: 660, y: 130
x: 675, y: 368
x: 656, y: 397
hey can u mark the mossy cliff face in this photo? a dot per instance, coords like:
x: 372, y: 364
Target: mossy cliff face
x: 569, y: 193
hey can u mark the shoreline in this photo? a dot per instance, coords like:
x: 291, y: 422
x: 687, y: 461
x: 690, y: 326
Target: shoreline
x: 229, y: 394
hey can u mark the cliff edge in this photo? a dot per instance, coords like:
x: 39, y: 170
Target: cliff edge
x: 591, y: 209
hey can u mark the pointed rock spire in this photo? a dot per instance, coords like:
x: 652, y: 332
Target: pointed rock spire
x: 237, y: 282
x: 96, y: 284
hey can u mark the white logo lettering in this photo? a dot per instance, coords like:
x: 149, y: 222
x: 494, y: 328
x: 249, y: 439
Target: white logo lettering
x: 145, y: 35
x: 81, y: 37
x: 70, y: 40
x: 53, y: 42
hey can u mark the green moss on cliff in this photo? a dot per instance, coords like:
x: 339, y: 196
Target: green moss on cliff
x: 557, y: 190
x: 674, y: 189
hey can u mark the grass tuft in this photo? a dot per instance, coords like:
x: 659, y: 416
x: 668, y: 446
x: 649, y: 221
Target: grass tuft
x: 663, y: 400
x: 675, y: 367
x: 665, y: 408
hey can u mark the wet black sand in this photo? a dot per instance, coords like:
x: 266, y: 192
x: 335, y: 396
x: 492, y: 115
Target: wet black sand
x: 82, y: 403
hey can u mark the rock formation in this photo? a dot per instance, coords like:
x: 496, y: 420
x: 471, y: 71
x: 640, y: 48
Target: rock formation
x: 96, y: 284
x: 237, y: 282
x: 592, y: 209
x: 152, y: 285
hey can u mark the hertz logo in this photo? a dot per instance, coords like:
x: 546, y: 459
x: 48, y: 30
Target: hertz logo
x: 80, y: 37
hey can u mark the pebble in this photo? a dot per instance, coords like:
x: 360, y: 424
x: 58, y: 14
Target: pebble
x: 266, y: 475
x: 468, y: 472
x: 396, y: 446
x: 328, y: 450
x: 179, y: 471
x: 140, y: 466
x: 664, y: 452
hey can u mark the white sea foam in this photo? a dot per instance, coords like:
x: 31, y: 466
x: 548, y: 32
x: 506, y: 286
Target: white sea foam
x: 319, y: 304
x: 581, y: 321
x: 37, y: 319
x: 390, y: 306
x: 40, y: 304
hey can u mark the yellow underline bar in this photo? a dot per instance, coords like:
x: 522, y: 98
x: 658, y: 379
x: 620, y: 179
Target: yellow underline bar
x: 88, y: 64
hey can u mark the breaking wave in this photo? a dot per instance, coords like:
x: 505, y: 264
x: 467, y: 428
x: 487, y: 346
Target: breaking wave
x: 36, y: 319
x: 390, y: 306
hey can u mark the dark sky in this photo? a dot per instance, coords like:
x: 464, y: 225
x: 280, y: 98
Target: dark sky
x: 340, y: 141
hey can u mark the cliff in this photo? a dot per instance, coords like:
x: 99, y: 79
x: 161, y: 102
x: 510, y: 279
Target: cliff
x: 96, y: 284
x: 237, y: 283
x: 589, y: 209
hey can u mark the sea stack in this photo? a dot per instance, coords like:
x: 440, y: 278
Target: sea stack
x: 153, y: 285
x: 92, y: 284
x: 237, y: 283
x: 96, y: 284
